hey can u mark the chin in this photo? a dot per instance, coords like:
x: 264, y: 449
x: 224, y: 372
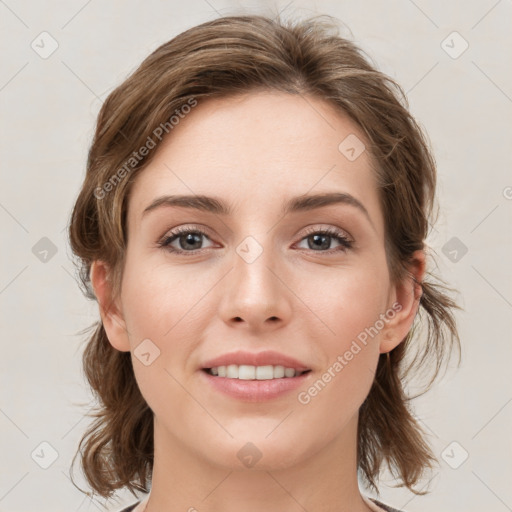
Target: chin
x: 256, y: 452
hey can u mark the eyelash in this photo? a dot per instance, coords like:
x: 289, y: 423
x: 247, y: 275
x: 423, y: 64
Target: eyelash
x: 345, y: 243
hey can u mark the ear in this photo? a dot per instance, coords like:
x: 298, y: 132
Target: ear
x: 110, y: 311
x: 404, y: 301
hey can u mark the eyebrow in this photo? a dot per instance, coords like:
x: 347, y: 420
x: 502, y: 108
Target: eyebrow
x: 293, y: 205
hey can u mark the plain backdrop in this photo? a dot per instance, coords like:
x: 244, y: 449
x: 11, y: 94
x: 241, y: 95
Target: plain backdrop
x: 450, y: 57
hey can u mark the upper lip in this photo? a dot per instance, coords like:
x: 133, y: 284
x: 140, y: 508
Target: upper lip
x: 264, y: 358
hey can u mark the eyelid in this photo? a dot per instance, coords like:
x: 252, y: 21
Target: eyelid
x: 202, y: 228
x: 332, y: 229
x: 187, y: 227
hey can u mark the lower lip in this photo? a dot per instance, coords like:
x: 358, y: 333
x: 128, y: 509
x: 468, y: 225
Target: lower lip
x: 255, y: 390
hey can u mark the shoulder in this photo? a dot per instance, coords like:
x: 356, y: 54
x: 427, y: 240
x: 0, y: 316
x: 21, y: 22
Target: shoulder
x: 130, y: 508
x: 385, y: 507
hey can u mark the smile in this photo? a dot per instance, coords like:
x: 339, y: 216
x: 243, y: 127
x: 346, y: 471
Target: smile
x: 249, y: 372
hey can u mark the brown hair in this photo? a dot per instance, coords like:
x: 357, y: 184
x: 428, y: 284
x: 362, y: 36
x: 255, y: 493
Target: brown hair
x: 222, y: 58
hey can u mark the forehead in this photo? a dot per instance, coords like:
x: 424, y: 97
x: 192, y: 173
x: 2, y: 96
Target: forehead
x: 256, y: 150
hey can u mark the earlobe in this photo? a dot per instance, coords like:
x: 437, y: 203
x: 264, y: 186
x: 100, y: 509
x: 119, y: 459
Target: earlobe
x: 406, y: 300
x: 110, y: 311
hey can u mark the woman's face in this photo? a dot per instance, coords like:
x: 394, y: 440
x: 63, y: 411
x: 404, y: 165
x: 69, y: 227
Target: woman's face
x: 261, y: 277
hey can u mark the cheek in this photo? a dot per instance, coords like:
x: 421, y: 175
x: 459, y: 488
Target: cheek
x: 348, y: 302
x: 351, y: 306
x: 159, y: 300
x: 158, y: 307
x: 165, y: 305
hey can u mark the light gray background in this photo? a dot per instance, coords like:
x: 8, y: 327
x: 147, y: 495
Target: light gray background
x: 48, y: 110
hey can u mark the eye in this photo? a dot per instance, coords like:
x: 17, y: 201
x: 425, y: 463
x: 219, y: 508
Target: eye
x: 188, y: 240
x: 319, y: 239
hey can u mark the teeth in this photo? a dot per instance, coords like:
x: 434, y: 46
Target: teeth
x: 248, y: 372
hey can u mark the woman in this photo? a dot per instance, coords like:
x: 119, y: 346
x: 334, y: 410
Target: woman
x: 252, y: 225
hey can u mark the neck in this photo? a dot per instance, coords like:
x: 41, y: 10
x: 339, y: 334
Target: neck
x: 309, y: 480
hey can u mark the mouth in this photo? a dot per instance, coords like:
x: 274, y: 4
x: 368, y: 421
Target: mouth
x: 247, y: 383
x: 249, y: 372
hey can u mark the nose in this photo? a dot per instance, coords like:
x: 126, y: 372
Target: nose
x: 255, y: 295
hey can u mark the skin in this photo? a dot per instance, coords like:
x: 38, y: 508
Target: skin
x: 255, y: 152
